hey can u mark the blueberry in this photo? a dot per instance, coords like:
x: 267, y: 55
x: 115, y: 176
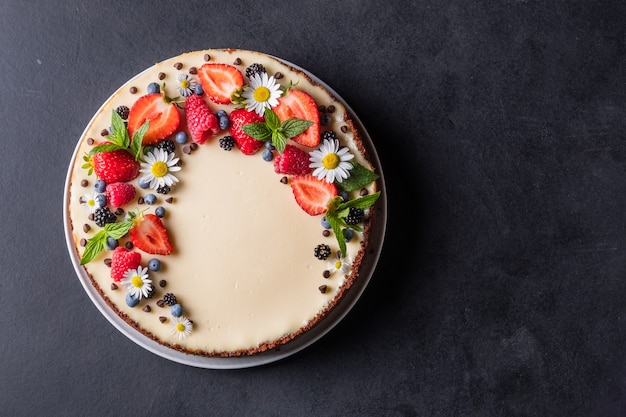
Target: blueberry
x: 181, y: 137
x: 143, y: 183
x: 153, y: 88
x: 269, y: 145
x: 101, y: 200
x: 176, y: 310
x: 99, y: 186
x: 198, y: 89
x: 131, y: 300
x: 325, y: 223
x: 224, y: 122
x: 344, y: 195
x: 221, y: 113
x: 160, y: 211
x: 348, y: 234
x: 111, y: 243
x: 267, y: 155
x: 154, y: 264
x: 147, y: 149
x: 150, y: 199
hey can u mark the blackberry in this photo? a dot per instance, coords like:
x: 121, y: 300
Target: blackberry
x: 355, y: 216
x: 254, y: 69
x: 103, y: 216
x: 169, y: 299
x: 329, y: 134
x: 167, y: 145
x: 123, y: 111
x: 322, y: 251
x: 227, y: 143
x: 151, y: 292
x: 165, y: 189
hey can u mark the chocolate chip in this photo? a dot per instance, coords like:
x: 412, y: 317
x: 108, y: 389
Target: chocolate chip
x: 323, y: 288
x: 161, y: 75
x: 169, y: 200
x: 193, y: 70
x: 325, y: 233
x: 84, y: 183
x: 83, y: 242
x: 90, y: 217
x: 147, y: 309
x: 278, y: 75
x: 104, y: 132
x: 114, y: 286
x: 284, y: 180
x: 107, y: 262
x: 86, y: 228
x: 363, y: 192
x: 326, y: 274
x: 90, y: 141
x: 237, y: 61
x: 178, y: 65
x: 162, y: 319
x: 162, y: 283
x: 161, y: 303
x: 193, y: 146
x: 129, y: 245
x: 119, y: 211
x: 324, y: 119
x: 186, y: 150
x: 133, y: 90
x: 207, y: 57
x: 140, y: 200
x: 344, y: 129
x: 321, y: 108
x: 330, y: 109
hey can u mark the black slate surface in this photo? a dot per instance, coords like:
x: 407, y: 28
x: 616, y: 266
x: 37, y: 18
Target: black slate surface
x: 501, y: 289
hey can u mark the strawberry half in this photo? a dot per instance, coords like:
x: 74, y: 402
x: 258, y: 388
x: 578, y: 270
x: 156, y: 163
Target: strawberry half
x: 122, y: 260
x: 246, y: 143
x: 162, y: 114
x: 300, y: 105
x: 201, y: 122
x: 312, y: 194
x: 115, y: 166
x: 120, y: 193
x: 149, y: 235
x: 219, y: 81
x: 293, y: 161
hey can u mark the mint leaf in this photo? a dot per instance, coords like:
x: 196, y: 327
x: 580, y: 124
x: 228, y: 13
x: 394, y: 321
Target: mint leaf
x: 259, y: 131
x: 118, y: 230
x: 136, y: 144
x: 336, y: 226
x: 279, y: 141
x: 94, y: 246
x: 359, y: 177
x: 271, y: 120
x: 293, y: 127
x: 361, y: 202
x: 119, y: 134
x: 108, y: 147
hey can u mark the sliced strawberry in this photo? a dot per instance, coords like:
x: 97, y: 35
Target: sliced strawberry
x: 115, y: 166
x: 246, y: 143
x: 312, y: 194
x: 300, y: 105
x: 122, y: 260
x: 292, y: 161
x: 149, y: 235
x: 201, y: 122
x: 219, y: 81
x: 162, y: 114
x: 120, y: 193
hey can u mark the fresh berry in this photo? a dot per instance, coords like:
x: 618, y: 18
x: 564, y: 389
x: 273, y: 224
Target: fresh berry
x: 111, y: 243
x: 292, y: 161
x: 224, y: 122
x: 153, y: 88
x: 220, y: 81
x: 246, y: 143
x: 150, y: 199
x: 169, y: 299
x: 103, y: 216
x: 329, y: 135
x: 201, y: 121
x: 131, y: 300
x: 160, y: 211
x: 154, y: 264
x: 143, y: 183
x: 255, y: 68
x: 160, y: 111
x: 355, y: 216
x: 227, y: 143
x: 198, y: 89
x: 122, y: 260
x: 164, y: 189
x: 348, y: 234
x: 325, y: 223
x: 101, y: 200
x: 322, y: 251
x: 115, y: 166
x: 176, y: 310
x: 149, y: 235
x: 267, y: 155
x: 123, y: 111
x: 120, y: 193
x: 300, y: 105
x: 167, y: 145
x: 181, y: 137
x: 312, y: 194
x: 99, y: 186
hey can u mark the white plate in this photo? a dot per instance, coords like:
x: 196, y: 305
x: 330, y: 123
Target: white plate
x: 323, y: 327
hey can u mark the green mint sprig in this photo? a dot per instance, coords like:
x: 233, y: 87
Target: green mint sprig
x: 338, y: 210
x: 120, y: 139
x: 275, y: 130
x: 96, y: 244
x: 359, y: 177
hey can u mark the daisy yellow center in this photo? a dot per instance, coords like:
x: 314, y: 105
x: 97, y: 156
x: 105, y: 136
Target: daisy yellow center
x: 330, y: 161
x: 180, y: 327
x: 338, y: 264
x: 91, y: 202
x: 262, y: 94
x: 184, y: 83
x: 159, y: 169
x: 137, y: 281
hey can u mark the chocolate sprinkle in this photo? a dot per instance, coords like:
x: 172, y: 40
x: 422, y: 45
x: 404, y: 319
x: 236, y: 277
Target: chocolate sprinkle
x: 129, y: 245
x: 114, y: 286
x: 107, y: 262
x: 104, y: 132
x: 119, y: 211
x: 326, y: 274
x: 140, y: 200
x: 133, y: 90
x: 193, y: 70
x: 90, y: 141
x: 186, y: 150
x: 278, y: 75
x: 84, y: 183
x: 207, y: 57
x: 330, y: 109
x: 326, y: 233
x: 237, y: 61
x: 162, y: 319
x: 344, y: 129
x: 162, y: 283
x: 161, y: 75
x: 86, y: 228
x: 363, y: 192
x: 178, y: 65
x: 169, y: 200
x: 147, y: 309
x: 323, y: 288
x: 284, y: 180
x: 83, y: 242
x: 161, y: 303
x: 193, y: 146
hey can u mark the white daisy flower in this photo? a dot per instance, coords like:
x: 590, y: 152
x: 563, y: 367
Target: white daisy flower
x: 137, y: 282
x: 186, y: 84
x: 158, y: 166
x: 340, y: 264
x: 181, y: 327
x: 89, y: 202
x: 330, y: 162
x: 262, y: 93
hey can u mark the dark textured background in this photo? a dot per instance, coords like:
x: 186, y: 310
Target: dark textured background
x: 501, y: 128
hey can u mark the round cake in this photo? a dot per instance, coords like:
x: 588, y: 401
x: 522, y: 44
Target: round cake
x: 221, y: 203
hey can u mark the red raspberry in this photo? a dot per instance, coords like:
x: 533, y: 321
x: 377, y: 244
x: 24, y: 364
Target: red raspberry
x: 120, y: 193
x: 293, y: 161
x: 122, y: 260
